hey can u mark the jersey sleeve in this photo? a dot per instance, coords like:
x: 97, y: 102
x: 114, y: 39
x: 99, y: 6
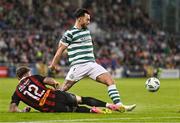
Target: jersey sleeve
x: 66, y: 38
x: 15, y: 99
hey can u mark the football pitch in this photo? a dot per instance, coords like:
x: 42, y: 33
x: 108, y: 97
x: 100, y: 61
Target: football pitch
x: 161, y: 106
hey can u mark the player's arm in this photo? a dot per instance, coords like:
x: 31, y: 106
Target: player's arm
x: 52, y: 82
x: 63, y: 44
x: 14, y: 104
x: 14, y: 108
x: 58, y: 55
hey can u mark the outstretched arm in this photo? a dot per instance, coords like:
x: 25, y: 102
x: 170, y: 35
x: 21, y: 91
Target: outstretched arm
x: 14, y: 108
x: 57, y: 56
x: 52, y: 82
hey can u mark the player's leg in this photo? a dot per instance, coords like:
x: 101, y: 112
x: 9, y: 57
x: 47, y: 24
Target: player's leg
x: 71, y: 102
x: 67, y: 85
x: 99, y: 74
x: 113, y: 93
x: 70, y: 80
x: 90, y: 101
x: 75, y: 73
x: 83, y: 109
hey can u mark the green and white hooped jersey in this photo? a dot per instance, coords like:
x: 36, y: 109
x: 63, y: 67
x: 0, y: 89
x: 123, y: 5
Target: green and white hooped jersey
x: 80, y: 46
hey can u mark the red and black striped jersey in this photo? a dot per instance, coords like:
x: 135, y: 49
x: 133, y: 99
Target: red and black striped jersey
x: 32, y: 91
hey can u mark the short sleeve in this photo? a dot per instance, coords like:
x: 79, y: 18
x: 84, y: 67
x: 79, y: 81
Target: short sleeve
x: 66, y: 38
x: 15, y: 99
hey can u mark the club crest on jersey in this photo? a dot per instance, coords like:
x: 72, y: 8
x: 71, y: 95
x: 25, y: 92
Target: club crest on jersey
x: 71, y: 76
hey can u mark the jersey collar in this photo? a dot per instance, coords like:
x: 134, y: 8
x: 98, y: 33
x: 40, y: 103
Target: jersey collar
x: 80, y: 29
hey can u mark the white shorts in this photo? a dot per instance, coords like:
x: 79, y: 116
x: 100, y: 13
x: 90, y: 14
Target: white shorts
x: 90, y: 69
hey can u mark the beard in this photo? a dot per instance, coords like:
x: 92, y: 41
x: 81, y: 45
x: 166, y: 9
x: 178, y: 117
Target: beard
x: 84, y: 26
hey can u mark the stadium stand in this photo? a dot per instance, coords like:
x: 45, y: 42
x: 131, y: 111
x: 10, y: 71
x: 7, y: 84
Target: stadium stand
x: 124, y: 35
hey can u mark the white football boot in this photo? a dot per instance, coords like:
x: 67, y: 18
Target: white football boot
x: 129, y: 107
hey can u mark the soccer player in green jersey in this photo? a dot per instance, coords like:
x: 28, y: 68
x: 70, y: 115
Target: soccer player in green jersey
x: 78, y: 42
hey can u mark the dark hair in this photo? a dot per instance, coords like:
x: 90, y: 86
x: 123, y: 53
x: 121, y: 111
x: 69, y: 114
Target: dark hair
x: 20, y: 71
x: 80, y: 12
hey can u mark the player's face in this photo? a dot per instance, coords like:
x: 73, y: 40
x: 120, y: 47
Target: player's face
x: 85, y: 20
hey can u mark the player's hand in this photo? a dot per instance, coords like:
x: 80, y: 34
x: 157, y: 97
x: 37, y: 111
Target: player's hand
x: 52, y: 67
x: 57, y: 86
x: 26, y: 109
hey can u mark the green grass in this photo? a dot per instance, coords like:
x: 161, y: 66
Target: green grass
x: 161, y: 106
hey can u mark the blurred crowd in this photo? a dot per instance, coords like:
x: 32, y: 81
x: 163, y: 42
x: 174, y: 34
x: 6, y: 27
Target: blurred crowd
x: 123, y: 34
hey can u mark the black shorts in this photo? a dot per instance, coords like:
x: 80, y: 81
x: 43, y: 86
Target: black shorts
x: 65, y: 102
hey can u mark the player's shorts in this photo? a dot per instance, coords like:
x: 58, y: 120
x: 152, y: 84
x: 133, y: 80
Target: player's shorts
x: 90, y: 69
x: 65, y: 102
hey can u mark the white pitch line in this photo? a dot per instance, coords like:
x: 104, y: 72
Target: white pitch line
x: 100, y: 119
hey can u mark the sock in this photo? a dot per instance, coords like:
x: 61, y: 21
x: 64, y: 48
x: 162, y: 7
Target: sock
x: 93, y: 102
x: 107, y: 104
x: 114, y: 94
x: 82, y: 109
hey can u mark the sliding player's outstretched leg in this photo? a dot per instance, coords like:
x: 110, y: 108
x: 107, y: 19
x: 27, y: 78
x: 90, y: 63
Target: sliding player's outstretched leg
x: 83, y: 109
x: 98, y: 103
